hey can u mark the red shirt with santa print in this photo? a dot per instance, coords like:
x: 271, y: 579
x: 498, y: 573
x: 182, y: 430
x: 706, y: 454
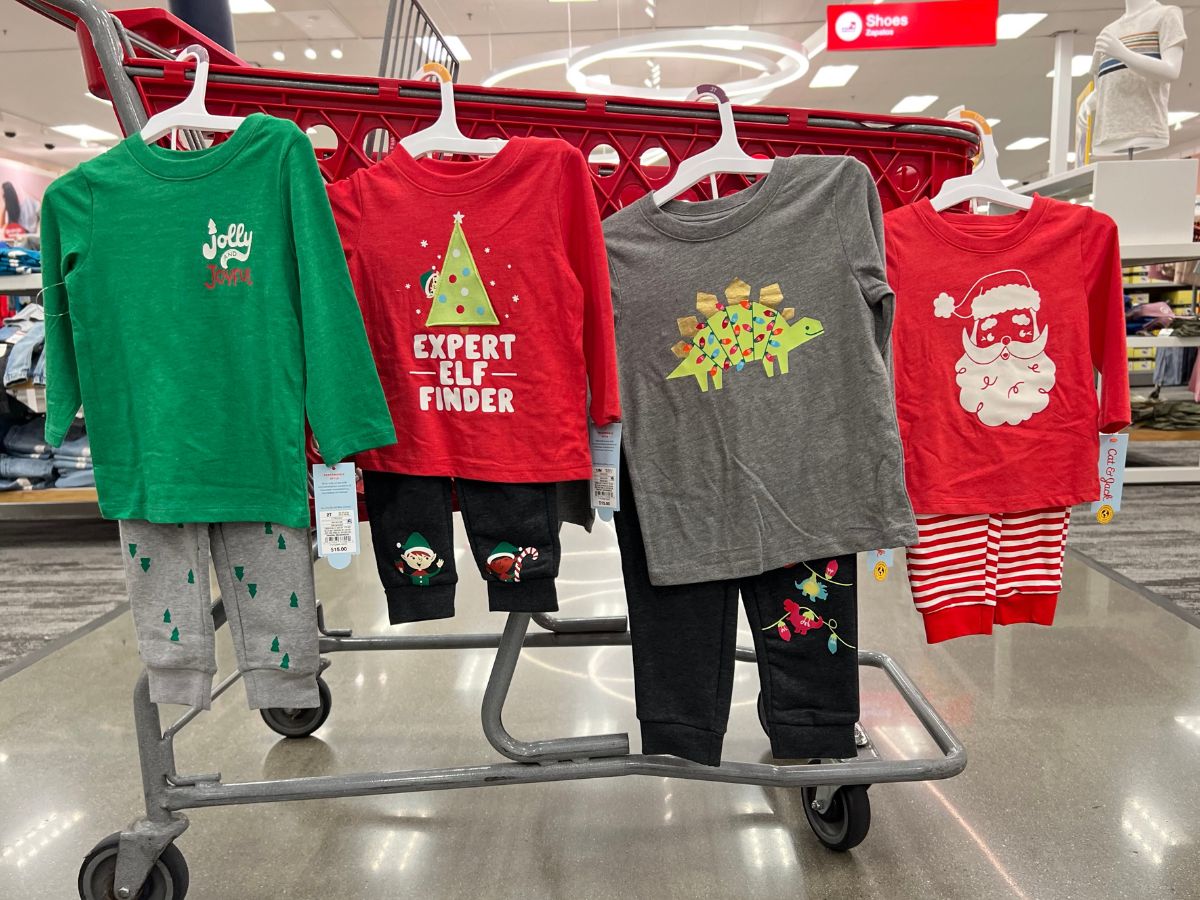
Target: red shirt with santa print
x: 484, y: 291
x: 1000, y: 324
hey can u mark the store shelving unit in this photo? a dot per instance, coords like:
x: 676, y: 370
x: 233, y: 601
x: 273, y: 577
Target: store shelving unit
x: 20, y: 285
x: 52, y: 503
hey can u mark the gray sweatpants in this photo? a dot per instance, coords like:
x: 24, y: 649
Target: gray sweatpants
x: 266, y: 578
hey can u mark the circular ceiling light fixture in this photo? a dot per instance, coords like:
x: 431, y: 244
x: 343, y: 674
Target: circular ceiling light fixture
x: 778, y: 61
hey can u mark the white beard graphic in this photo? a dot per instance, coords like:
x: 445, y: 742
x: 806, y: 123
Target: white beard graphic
x: 1005, y: 384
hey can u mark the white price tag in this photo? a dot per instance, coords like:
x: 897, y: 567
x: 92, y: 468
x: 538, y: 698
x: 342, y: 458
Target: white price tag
x: 337, y: 513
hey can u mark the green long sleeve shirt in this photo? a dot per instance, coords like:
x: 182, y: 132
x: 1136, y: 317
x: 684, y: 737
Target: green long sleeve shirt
x: 198, y: 306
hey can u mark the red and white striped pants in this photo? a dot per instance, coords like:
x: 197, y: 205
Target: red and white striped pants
x: 969, y: 573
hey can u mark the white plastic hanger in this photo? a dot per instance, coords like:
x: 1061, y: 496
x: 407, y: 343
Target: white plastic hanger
x: 444, y: 136
x: 725, y: 156
x: 192, y: 112
x: 984, y: 182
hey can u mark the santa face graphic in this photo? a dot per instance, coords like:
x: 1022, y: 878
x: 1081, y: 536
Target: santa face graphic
x: 1004, y: 375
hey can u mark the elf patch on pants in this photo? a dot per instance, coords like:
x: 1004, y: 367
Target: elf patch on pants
x: 416, y: 555
x: 512, y: 530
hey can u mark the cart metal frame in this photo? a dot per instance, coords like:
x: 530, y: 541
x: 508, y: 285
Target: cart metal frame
x: 168, y: 793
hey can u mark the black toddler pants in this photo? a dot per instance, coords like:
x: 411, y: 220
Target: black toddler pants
x: 805, y: 624
x: 512, y: 530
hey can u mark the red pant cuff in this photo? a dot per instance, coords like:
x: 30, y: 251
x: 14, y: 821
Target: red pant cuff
x: 958, y: 621
x: 1037, y: 609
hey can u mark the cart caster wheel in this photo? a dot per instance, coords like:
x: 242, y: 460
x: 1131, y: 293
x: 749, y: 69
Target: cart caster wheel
x: 762, y: 713
x: 298, y: 723
x: 168, y: 878
x: 845, y: 822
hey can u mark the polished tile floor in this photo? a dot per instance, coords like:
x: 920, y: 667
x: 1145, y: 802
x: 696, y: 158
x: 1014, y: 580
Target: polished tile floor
x: 1083, y: 782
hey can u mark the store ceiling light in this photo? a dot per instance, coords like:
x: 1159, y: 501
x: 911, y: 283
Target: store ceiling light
x: 430, y: 47
x: 242, y: 7
x: 1027, y: 143
x: 914, y: 103
x: 1009, y: 182
x: 992, y: 122
x: 1178, y: 118
x: 84, y: 132
x: 1013, y: 25
x: 310, y: 53
x: 1081, y: 64
x: 832, y: 76
x: 336, y: 53
x: 649, y: 10
x: 279, y: 56
x: 689, y: 43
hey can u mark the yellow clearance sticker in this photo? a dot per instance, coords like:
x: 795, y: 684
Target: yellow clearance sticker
x: 1104, y: 514
x: 881, y: 571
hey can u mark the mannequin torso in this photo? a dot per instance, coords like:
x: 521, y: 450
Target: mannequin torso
x: 1135, y: 60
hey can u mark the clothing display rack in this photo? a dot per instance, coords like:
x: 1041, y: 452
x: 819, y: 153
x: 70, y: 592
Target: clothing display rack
x: 129, y: 57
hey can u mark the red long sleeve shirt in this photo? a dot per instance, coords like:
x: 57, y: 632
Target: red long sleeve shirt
x: 1000, y: 322
x: 484, y: 291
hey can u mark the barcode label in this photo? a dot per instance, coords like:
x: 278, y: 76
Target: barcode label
x: 604, y: 486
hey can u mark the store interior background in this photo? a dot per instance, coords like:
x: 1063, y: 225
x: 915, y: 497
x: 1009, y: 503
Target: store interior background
x: 62, y: 577
x: 1152, y: 542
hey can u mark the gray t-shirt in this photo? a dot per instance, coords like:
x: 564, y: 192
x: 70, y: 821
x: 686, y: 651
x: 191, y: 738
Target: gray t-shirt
x: 1131, y: 110
x: 759, y: 422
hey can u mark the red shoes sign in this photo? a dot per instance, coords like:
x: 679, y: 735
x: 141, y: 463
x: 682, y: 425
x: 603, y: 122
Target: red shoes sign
x: 909, y: 26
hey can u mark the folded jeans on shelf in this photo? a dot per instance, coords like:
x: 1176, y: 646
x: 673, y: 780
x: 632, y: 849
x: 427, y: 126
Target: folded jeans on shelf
x: 20, y: 358
x: 74, y: 447
x: 23, y: 467
x: 22, y: 484
x: 16, y: 455
x: 72, y: 463
x: 28, y: 438
x: 80, y: 479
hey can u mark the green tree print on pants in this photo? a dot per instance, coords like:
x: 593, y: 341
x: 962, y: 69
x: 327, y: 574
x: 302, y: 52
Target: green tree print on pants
x: 132, y: 550
x: 275, y: 644
x: 461, y: 298
x: 282, y: 543
x: 267, y: 528
x: 295, y: 604
x: 191, y: 577
x: 175, y: 635
x: 253, y: 589
x: 239, y: 571
x: 285, y: 663
x: 166, y: 617
x: 145, y: 561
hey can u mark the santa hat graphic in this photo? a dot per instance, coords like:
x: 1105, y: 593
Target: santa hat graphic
x: 416, y: 541
x: 503, y: 549
x: 991, y: 295
x: 425, y: 279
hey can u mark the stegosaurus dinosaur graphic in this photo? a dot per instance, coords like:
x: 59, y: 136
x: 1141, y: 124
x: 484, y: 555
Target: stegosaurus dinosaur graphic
x: 739, y: 331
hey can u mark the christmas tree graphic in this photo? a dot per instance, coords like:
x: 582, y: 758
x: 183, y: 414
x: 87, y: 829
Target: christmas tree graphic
x: 145, y: 561
x: 132, y: 550
x: 275, y: 644
x: 295, y: 604
x: 267, y: 528
x: 285, y: 662
x: 253, y: 589
x: 191, y: 577
x: 239, y: 571
x: 175, y: 635
x: 166, y: 617
x: 461, y: 297
x: 282, y: 543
